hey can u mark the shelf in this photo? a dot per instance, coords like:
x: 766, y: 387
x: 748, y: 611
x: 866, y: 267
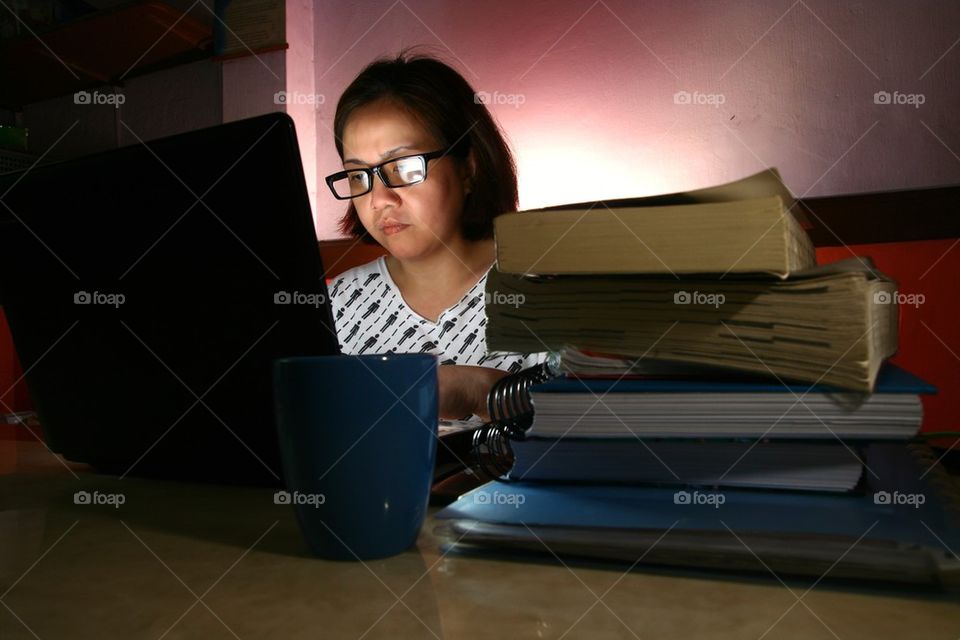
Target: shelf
x: 103, y: 48
x: 887, y: 216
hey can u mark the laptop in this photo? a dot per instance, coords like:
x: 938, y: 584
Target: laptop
x: 148, y: 290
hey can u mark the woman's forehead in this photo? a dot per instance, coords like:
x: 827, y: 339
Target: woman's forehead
x: 381, y: 127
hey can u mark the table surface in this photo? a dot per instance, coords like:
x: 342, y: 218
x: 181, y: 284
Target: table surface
x: 180, y: 560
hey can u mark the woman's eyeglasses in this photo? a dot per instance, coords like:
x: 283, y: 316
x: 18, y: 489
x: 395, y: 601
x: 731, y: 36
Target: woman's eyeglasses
x: 395, y: 173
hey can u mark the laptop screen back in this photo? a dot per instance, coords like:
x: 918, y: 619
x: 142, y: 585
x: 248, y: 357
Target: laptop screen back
x: 148, y: 290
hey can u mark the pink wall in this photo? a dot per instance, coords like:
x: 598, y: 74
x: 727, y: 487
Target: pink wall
x: 597, y: 84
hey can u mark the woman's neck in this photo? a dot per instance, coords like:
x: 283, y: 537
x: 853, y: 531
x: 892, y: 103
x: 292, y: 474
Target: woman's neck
x: 446, y: 274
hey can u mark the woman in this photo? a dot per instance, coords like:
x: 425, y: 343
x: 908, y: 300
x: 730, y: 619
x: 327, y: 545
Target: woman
x: 426, y: 170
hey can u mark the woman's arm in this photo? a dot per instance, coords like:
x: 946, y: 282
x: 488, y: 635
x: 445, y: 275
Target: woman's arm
x: 464, y: 389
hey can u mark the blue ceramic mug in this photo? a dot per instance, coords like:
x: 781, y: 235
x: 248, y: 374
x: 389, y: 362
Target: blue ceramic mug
x: 358, y: 440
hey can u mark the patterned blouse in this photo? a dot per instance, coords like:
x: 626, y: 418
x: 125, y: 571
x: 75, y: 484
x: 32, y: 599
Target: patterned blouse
x: 371, y: 317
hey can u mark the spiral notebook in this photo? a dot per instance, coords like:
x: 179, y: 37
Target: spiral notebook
x: 690, y: 429
x: 904, y: 526
x: 727, y: 408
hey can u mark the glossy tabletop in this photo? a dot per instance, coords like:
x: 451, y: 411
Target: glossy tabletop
x: 180, y: 560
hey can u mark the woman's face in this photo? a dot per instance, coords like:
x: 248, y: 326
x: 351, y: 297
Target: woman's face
x: 411, y: 222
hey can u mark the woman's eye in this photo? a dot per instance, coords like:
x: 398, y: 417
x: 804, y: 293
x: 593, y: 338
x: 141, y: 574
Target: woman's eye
x: 409, y: 171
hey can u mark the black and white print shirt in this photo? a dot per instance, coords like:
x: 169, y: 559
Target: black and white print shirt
x: 371, y: 317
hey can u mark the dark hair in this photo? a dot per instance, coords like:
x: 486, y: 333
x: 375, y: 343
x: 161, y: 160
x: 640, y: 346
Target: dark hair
x: 445, y: 103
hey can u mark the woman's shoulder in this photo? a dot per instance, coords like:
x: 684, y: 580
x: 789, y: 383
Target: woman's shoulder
x: 361, y: 271
x: 361, y: 276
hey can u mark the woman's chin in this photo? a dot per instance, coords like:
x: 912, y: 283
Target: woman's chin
x: 404, y: 248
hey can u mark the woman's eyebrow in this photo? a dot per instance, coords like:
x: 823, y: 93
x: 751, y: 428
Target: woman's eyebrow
x: 383, y: 156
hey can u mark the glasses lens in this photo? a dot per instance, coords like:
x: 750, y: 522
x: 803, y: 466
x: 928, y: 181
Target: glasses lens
x: 404, y: 171
x: 355, y: 183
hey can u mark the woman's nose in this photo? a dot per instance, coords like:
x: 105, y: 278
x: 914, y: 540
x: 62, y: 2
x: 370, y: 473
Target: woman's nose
x: 382, y: 196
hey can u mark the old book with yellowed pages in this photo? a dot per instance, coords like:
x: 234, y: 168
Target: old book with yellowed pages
x: 747, y: 226
x: 834, y: 324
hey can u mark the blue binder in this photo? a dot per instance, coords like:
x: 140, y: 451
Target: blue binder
x: 904, y: 524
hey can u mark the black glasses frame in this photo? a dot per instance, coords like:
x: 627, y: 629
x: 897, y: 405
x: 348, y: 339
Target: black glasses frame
x: 371, y: 171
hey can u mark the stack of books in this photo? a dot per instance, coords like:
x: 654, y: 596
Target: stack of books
x: 704, y: 353
x: 702, y: 343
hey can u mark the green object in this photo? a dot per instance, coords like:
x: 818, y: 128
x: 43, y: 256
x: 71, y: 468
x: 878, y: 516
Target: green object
x: 13, y: 138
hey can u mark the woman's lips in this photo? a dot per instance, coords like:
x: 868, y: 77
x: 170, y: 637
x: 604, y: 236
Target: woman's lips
x: 391, y: 229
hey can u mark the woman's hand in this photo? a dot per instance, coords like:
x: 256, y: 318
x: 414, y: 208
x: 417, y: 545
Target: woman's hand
x: 464, y: 390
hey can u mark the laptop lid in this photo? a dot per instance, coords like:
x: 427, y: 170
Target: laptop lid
x: 148, y: 290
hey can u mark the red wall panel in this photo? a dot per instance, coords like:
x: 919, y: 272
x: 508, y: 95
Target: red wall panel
x: 13, y: 396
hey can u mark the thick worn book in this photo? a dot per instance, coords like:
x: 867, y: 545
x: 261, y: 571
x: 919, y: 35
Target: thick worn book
x: 834, y: 324
x: 747, y: 226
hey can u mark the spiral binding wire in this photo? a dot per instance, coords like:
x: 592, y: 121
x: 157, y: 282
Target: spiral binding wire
x: 511, y: 414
